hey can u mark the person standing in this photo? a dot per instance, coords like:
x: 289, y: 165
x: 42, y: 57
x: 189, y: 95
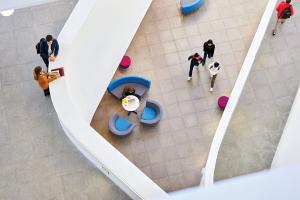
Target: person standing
x: 209, y: 49
x: 43, y: 79
x: 214, y: 68
x: 195, y: 61
x: 284, y: 11
x: 49, y: 48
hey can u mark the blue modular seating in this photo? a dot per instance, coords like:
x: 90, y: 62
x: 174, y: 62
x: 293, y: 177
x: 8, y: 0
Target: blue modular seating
x: 188, y: 6
x: 120, y: 126
x: 152, y: 113
x: 140, y: 84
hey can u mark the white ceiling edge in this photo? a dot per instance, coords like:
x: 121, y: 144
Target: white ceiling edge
x: 17, y: 4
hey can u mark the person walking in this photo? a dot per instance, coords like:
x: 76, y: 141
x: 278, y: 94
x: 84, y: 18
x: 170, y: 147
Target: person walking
x: 48, y: 49
x: 214, y: 68
x: 195, y: 61
x: 43, y: 79
x: 209, y: 49
x: 284, y: 11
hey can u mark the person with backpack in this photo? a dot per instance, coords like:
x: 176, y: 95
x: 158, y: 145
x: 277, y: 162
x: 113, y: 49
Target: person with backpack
x: 48, y: 49
x: 195, y: 61
x: 209, y: 49
x: 284, y: 11
x: 214, y: 69
x: 43, y: 79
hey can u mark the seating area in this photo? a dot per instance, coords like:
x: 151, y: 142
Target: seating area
x: 152, y: 113
x: 189, y: 6
x: 140, y: 84
x: 120, y: 126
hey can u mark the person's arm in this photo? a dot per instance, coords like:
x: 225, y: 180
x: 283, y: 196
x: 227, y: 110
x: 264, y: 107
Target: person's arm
x: 51, y: 78
x: 213, y: 51
x: 190, y: 57
x: 56, y: 48
x: 278, y: 7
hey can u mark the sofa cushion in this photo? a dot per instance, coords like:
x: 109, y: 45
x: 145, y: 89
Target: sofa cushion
x: 122, y: 124
x: 148, y: 113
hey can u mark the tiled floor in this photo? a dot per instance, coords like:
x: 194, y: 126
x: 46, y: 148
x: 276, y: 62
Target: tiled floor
x: 174, y: 152
x: 37, y: 160
x: 259, y: 119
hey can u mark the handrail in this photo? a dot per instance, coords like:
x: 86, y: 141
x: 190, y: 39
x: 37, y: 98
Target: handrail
x: 208, y: 171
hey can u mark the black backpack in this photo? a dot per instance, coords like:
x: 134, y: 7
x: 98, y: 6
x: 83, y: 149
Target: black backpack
x: 38, y: 45
x: 286, y: 13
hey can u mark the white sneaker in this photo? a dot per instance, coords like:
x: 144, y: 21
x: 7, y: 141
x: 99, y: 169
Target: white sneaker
x: 189, y: 78
x: 211, y: 89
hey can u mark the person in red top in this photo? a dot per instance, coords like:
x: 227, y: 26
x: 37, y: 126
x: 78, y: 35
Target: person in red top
x: 284, y: 11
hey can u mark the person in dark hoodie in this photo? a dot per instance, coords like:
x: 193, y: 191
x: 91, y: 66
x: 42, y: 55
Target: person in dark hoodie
x: 49, y: 49
x: 195, y: 61
x: 209, y: 49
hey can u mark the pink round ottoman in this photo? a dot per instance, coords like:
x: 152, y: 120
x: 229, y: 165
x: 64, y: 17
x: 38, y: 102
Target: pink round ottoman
x: 125, y: 62
x: 222, y: 102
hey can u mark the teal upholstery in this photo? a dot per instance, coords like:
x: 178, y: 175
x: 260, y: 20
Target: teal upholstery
x: 122, y: 124
x: 152, y: 113
x: 148, y: 113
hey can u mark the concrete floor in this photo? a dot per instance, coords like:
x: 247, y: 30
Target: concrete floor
x: 174, y: 152
x: 37, y: 160
x: 255, y: 130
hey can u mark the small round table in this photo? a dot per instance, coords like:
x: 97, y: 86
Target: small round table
x: 125, y: 62
x: 222, y: 102
x: 130, y: 103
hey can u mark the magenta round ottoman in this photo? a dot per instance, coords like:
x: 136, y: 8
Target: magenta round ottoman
x: 222, y: 102
x: 125, y: 62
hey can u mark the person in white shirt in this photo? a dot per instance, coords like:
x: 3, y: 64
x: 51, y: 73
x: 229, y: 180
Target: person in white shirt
x: 214, y: 69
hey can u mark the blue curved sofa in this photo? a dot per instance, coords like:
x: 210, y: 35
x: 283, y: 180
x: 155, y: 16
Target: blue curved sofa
x: 188, y: 6
x: 140, y: 84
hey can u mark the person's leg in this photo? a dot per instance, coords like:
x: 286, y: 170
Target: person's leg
x: 46, y: 92
x: 190, y: 72
x: 276, y: 27
x: 212, y: 82
x: 46, y: 61
x: 204, y: 58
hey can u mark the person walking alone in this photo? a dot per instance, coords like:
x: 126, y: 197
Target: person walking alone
x: 209, y: 49
x: 284, y: 11
x: 195, y: 61
x: 48, y: 49
x: 214, y: 68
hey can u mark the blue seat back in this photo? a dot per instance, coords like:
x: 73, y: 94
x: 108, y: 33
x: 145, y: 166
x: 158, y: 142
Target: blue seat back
x: 128, y: 79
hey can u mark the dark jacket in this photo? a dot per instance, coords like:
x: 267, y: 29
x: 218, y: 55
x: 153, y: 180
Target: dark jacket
x: 195, y: 60
x: 208, y: 49
x: 44, y: 48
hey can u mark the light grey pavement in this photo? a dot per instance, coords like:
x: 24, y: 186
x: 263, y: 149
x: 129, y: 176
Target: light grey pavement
x: 37, y: 160
x: 173, y: 153
x: 255, y: 130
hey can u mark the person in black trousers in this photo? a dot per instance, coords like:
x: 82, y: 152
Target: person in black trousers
x: 209, y: 49
x: 195, y: 61
x: 49, y: 49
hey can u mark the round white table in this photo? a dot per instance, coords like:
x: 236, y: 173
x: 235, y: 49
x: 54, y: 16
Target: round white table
x: 130, y: 103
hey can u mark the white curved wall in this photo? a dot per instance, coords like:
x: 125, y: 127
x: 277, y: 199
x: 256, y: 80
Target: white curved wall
x: 287, y: 152
x: 208, y: 172
x: 98, y: 48
x: 92, y: 43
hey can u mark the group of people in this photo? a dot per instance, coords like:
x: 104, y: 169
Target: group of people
x: 48, y: 49
x: 213, y: 68
x: 284, y: 11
